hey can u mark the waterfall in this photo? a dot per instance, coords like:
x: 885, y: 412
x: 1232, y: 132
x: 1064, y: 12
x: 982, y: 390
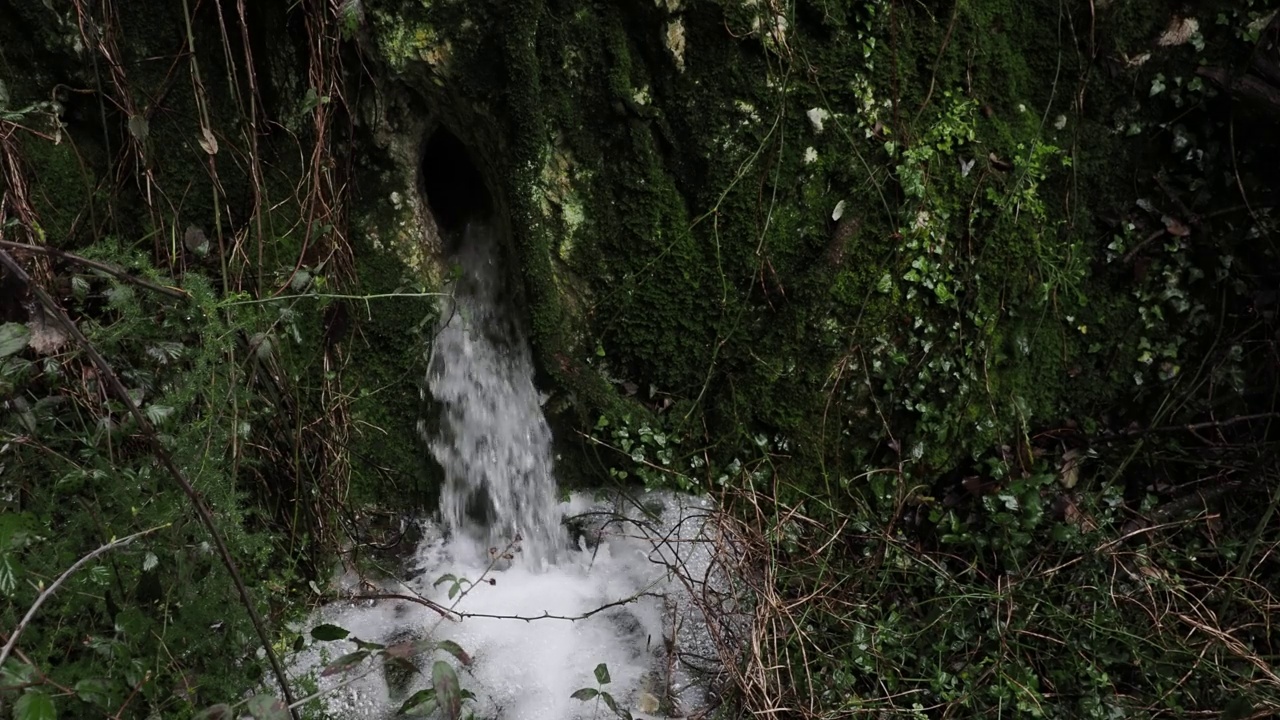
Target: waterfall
x: 493, y: 441
x: 536, y: 627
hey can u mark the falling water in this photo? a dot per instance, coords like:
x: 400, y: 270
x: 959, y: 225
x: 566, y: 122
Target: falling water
x: 493, y: 441
x: 538, y: 625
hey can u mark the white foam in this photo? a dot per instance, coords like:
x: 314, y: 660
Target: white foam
x: 526, y: 665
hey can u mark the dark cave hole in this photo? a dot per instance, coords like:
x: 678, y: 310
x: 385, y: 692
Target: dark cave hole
x: 456, y: 191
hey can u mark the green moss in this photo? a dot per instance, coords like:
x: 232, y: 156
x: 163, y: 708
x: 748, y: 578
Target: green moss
x: 388, y: 346
x: 61, y: 189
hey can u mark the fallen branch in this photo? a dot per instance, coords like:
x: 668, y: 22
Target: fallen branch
x: 1193, y: 427
x: 112, y: 270
x: 571, y: 618
x: 440, y: 609
x: 1246, y: 87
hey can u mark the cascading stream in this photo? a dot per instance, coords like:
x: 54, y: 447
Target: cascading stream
x: 493, y: 441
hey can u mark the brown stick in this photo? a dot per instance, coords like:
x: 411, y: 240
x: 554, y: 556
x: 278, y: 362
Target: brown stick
x: 443, y: 611
x: 1205, y: 425
x: 112, y: 270
x: 1246, y: 87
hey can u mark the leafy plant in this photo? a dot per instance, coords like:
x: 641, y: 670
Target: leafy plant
x: 648, y: 452
x: 599, y: 694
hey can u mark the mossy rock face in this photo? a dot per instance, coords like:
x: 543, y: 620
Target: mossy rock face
x: 855, y: 230
x: 851, y: 234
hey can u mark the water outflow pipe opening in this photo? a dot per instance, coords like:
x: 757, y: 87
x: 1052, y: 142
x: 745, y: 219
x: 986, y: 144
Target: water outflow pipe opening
x: 455, y: 189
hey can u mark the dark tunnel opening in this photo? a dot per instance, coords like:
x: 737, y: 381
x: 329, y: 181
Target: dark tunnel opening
x: 455, y: 189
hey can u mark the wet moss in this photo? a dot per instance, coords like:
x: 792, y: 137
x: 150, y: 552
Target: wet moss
x: 62, y: 189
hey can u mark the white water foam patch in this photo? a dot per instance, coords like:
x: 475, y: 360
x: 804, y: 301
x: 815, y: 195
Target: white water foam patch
x: 526, y: 664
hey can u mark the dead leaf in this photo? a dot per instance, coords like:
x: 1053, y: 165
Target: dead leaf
x: 1175, y: 227
x: 1070, y: 472
x: 208, y: 142
x: 997, y: 163
x: 1137, y: 60
x: 1180, y: 30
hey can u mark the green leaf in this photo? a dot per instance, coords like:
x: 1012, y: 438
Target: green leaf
x: 34, y: 705
x: 422, y: 702
x: 267, y: 707
x: 17, y: 673
x: 1237, y: 709
x: 329, y: 632
x: 367, y: 645
x: 413, y: 648
x: 613, y: 705
x: 886, y: 283
x: 157, y: 414
x: 453, y: 591
x: 93, y: 691
x: 139, y: 128
x: 585, y: 694
x: 447, y: 577
x: 8, y: 578
x: 455, y: 650
x: 602, y: 674
x: 344, y: 663
x: 445, y: 682
x: 221, y: 711
x: 400, y: 665
x: 13, y: 338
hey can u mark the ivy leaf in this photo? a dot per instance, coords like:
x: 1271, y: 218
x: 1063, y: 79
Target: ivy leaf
x: 221, y: 711
x: 13, y: 338
x: 602, y: 674
x: 886, y: 283
x: 445, y: 682
x: 585, y: 694
x: 267, y: 707
x: 34, y: 705
x: 455, y: 650
x: 422, y: 702
x: 329, y: 632
x: 344, y: 663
